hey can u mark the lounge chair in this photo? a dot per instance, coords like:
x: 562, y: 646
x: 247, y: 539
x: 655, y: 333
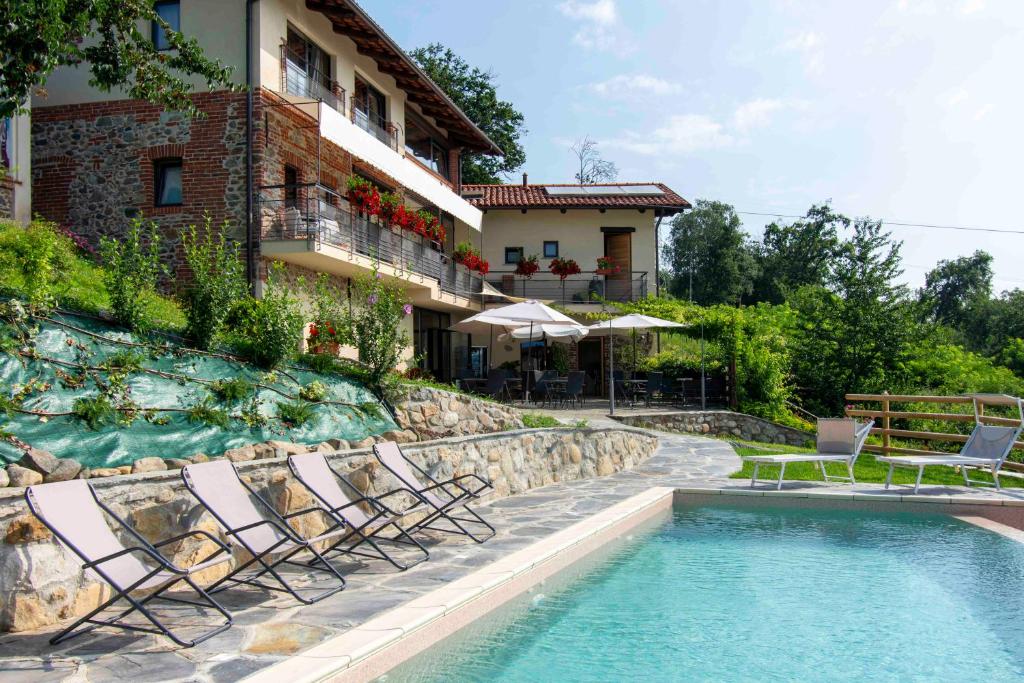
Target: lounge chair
x: 342, y: 501
x: 268, y: 536
x: 839, y: 440
x: 986, y: 448
x: 75, y: 515
x: 437, y: 499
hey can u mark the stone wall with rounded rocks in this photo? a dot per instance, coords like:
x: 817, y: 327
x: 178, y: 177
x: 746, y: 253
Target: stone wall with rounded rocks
x: 720, y: 423
x: 437, y: 414
x: 43, y: 583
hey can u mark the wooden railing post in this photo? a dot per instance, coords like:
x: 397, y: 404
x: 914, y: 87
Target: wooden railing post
x: 885, y: 422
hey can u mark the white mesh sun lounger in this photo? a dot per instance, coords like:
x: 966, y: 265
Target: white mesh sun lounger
x: 76, y: 515
x: 839, y: 440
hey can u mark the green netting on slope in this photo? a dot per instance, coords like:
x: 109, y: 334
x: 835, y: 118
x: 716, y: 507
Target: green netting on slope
x: 111, y: 444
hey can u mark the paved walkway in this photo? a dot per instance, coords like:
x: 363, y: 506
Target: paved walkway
x: 268, y: 628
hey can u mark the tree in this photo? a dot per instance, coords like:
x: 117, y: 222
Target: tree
x: 593, y: 169
x: 709, y: 255
x: 854, y: 331
x: 792, y: 256
x: 475, y: 93
x: 40, y: 35
x: 955, y: 293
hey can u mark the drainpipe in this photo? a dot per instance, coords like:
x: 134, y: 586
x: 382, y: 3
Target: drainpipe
x: 657, y: 270
x: 250, y: 238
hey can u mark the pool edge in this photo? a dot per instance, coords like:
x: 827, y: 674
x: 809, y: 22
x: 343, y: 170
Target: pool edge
x: 377, y: 646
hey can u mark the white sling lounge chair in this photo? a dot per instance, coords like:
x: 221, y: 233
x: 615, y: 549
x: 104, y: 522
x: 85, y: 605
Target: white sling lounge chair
x: 138, y: 573
x: 987, y: 447
x: 839, y: 440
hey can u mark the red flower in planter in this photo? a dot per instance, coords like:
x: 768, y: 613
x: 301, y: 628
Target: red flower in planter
x: 606, y: 266
x: 527, y: 266
x: 483, y: 267
x: 564, y: 267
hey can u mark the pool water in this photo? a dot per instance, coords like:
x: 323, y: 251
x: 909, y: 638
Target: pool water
x: 744, y: 594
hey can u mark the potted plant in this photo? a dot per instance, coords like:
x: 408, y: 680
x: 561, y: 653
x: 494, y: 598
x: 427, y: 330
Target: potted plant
x: 363, y: 196
x: 563, y: 268
x: 607, y: 266
x: 389, y: 205
x: 470, y: 257
x: 526, y: 267
x: 324, y: 338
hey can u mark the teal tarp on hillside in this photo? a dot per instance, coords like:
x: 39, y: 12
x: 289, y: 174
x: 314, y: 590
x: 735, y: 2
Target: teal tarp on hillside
x: 113, y: 445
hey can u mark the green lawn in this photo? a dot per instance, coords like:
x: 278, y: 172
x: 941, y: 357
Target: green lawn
x: 867, y: 470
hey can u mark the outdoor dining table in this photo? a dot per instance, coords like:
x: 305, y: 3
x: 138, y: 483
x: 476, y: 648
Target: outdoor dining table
x: 632, y: 385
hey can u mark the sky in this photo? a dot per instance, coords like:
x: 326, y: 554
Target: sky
x: 903, y: 110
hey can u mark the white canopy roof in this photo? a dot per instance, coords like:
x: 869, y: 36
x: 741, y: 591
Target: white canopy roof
x: 553, y: 331
x: 527, y: 312
x: 633, y: 321
x: 481, y: 323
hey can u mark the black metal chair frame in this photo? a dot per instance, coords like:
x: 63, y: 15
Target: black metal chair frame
x: 435, y: 512
x: 279, y: 522
x: 367, y: 533
x: 139, y: 605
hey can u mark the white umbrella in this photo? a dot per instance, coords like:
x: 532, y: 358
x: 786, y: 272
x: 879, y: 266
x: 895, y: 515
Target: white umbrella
x: 484, y: 324
x: 553, y: 331
x: 626, y: 323
x: 531, y: 311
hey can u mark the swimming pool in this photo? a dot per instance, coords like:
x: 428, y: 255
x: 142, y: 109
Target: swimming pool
x: 740, y: 594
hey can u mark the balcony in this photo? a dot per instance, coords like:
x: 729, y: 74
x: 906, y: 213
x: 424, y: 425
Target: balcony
x: 375, y: 125
x: 303, y: 81
x: 587, y: 287
x: 313, y: 217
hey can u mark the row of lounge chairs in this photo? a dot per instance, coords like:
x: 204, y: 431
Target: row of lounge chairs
x: 842, y: 440
x: 356, y: 524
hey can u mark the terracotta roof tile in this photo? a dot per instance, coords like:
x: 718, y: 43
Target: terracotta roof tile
x: 520, y: 196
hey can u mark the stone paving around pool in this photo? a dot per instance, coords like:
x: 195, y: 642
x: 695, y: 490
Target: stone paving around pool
x: 269, y: 628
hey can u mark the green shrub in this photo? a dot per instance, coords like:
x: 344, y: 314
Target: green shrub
x: 35, y: 261
x: 315, y: 391
x: 94, y: 411
x: 538, y: 421
x: 218, y: 281
x: 374, y: 323
x: 206, y: 413
x: 267, y: 331
x: 131, y: 268
x: 295, y: 413
x: 231, y: 390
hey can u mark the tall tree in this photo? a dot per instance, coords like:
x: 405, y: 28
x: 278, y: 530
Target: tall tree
x: 709, y: 255
x: 954, y: 288
x: 592, y: 168
x: 104, y: 35
x: 854, y: 329
x: 475, y: 93
x: 793, y: 255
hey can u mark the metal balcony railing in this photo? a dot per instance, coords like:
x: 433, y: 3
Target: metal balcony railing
x: 586, y: 287
x: 316, y: 214
x: 375, y: 124
x: 297, y: 78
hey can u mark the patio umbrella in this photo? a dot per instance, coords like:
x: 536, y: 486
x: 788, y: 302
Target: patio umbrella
x: 626, y: 323
x: 529, y: 313
x: 482, y: 323
x: 554, y: 331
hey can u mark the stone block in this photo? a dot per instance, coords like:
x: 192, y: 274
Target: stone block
x: 263, y: 450
x: 288, y: 447
x: 337, y: 444
x: 5, y: 479
x: 125, y: 469
x: 362, y: 443
x: 450, y: 419
x: 22, y: 476
x: 198, y: 457
x: 26, y: 529
x: 175, y: 463
x: 242, y: 454
x: 39, y: 460
x: 151, y: 464
x: 66, y: 470
x: 103, y: 472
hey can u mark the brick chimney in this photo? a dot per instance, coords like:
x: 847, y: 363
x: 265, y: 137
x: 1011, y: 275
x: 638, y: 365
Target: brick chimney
x: 524, y: 179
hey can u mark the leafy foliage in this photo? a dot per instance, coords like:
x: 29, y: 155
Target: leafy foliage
x: 132, y: 266
x: 295, y: 413
x: 475, y: 93
x: 374, y: 322
x: 267, y: 331
x: 218, y: 281
x: 953, y: 288
x: 232, y: 390
x: 539, y: 421
x: 205, y: 412
x: 111, y: 38
x: 94, y: 411
x: 313, y: 392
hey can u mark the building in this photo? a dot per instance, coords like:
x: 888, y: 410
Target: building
x: 331, y: 97
x: 16, y: 168
x: 617, y: 223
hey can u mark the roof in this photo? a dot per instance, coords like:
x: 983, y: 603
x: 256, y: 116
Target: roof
x: 349, y: 19
x: 562, y: 196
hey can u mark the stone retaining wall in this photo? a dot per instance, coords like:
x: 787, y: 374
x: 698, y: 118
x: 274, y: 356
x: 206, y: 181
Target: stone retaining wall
x: 437, y: 414
x: 42, y: 582
x: 720, y: 423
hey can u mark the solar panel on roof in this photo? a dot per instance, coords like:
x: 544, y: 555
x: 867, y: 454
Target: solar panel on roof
x: 565, y: 191
x: 642, y: 189
x: 603, y: 190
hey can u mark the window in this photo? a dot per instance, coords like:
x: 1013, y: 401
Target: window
x: 170, y: 12
x: 425, y: 146
x: 167, y: 174
x: 513, y: 254
x: 550, y: 249
x: 307, y: 69
x: 291, y: 182
x: 370, y: 113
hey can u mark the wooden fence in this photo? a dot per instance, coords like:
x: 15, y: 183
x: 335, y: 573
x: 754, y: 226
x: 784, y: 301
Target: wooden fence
x: 884, y: 415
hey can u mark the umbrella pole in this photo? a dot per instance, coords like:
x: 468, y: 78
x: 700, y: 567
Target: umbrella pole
x: 490, y: 347
x: 634, y: 353
x: 611, y: 368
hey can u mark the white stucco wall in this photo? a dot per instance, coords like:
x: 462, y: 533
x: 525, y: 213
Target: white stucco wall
x: 20, y: 151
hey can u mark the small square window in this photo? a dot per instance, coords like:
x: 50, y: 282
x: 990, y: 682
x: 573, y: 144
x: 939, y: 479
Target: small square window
x: 550, y: 249
x: 169, y: 11
x: 513, y: 255
x: 167, y: 177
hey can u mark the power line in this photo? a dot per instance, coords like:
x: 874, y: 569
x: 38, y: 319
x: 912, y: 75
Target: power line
x: 901, y: 224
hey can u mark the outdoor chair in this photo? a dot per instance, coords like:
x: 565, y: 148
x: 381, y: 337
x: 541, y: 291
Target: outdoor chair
x: 269, y: 538
x: 342, y: 500
x: 438, y: 499
x: 987, y: 447
x: 497, y: 387
x: 839, y: 440
x: 542, y: 390
x: 650, y: 388
x: 75, y: 515
x: 574, y: 387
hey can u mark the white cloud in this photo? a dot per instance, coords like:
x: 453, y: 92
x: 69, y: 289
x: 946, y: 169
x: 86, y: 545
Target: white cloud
x: 637, y: 83
x: 972, y: 6
x: 681, y: 134
x: 811, y: 47
x: 756, y: 113
x: 599, y: 25
x: 956, y: 97
x: 983, y: 112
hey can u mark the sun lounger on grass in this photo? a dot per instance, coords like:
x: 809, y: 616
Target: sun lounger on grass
x: 839, y: 440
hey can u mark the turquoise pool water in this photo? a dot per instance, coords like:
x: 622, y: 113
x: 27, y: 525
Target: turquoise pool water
x: 745, y: 594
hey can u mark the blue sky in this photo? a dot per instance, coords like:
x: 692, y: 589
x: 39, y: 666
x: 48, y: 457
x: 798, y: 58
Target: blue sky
x: 908, y: 110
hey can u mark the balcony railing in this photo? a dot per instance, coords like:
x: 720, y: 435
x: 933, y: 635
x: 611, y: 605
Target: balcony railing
x: 376, y: 125
x: 298, y: 79
x: 586, y: 287
x: 318, y: 215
